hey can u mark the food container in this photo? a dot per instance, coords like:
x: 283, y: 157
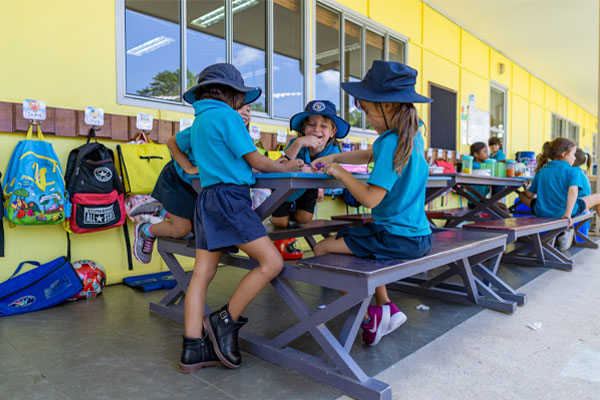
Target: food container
x: 467, y: 164
x: 510, y: 168
x: 500, y: 169
x: 434, y: 169
x: 490, y: 164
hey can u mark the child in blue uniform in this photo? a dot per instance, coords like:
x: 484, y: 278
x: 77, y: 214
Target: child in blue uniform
x: 396, y: 188
x: 496, y: 149
x: 173, y: 189
x: 224, y: 219
x: 480, y: 153
x: 583, y: 158
x: 318, y: 128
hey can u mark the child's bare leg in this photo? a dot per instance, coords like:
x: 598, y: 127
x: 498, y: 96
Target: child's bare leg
x: 592, y: 200
x: 302, y: 216
x: 525, y: 199
x: 281, y: 222
x: 175, y: 227
x: 269, y: 266
x: 205, y: 268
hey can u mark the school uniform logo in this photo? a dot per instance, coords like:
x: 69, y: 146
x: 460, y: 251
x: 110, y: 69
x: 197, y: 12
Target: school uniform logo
x: 103, y: 174
x: 318, y: 106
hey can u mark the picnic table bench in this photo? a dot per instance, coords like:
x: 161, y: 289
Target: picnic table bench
x: 463, y: 252
x: 534, y: 239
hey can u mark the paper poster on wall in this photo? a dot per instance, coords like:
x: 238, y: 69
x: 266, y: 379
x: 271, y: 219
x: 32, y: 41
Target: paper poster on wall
x: 463, y: 123
x: 478, y: 125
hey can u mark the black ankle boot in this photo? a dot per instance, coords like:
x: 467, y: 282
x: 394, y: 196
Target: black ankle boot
x: 197, y: 354
x: 223, y: 333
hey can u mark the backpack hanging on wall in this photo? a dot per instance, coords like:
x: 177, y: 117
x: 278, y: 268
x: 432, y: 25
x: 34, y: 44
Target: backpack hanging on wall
x: 98, y: 202
x: 1, y: 224
x: 33, y: 186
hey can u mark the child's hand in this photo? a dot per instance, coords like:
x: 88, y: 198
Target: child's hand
x: 307, y: 168
x: 192, y: 171
x: 294, y: 165
x: 569, y: 218
x: 310, y: 141
x: 321, y: 194
x: 321, y: 160
x: 334, y: 169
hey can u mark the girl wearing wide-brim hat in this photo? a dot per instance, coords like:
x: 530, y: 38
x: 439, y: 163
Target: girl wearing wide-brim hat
x: 318, y: 127
x: 395, y: 190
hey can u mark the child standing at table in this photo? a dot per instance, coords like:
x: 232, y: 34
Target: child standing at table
x: 396, y: 188
x: 224, y: 220
x: 496, y: 149
x: 173, y: 189
x: 318, y: 128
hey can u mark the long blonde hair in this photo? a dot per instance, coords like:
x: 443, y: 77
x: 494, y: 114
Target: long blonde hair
x: 406, y: 122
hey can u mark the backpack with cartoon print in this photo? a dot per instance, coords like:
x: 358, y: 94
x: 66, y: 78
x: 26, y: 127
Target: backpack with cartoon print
x: 34, y: 188
x: 96, y: 190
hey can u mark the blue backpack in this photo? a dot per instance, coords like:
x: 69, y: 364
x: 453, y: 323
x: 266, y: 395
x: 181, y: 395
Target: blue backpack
x: 33, y: 185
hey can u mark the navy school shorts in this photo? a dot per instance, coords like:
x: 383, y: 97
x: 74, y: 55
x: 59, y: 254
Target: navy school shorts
x: 306, y: 202
x: 374, y: 241
x: 177, y: 196
x: 579, y: 208
x: 224, y: 218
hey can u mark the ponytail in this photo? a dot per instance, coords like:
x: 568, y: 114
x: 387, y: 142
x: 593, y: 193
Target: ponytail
x: 406, y: 122
x: 581, y: 158
x: 553, y: 151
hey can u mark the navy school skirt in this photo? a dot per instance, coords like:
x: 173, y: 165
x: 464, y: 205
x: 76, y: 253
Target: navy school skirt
x: 176, y: 195
x: 374, y: 241
x: 224, y: 218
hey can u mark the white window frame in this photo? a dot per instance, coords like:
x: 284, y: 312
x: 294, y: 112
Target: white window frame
x: 125, y: 98
x: 501, y: 88
x: 347, y: 14
x: 568, y: 125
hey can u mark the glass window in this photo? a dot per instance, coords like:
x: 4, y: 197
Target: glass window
x: 396, y: 50
x: 497, y: 114
x: 205, y: 35
x: 249, y: 45
x: 152, y: 48
x: 327, y: 63
x: 288, y: 72
x: 375, y: 51
x: 352, y: 69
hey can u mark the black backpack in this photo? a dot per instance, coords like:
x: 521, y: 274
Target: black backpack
x: 96, y: 191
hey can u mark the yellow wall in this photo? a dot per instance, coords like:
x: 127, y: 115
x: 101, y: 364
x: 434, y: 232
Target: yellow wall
x: 64, y: 53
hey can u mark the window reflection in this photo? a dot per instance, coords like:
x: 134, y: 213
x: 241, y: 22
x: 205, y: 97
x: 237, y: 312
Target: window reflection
x: 396, y: 50
x: 327, y: 63
x: 375, y: 51
x: 152, y: 48
x: 249, y: 44
x: 288, y: 74
x: 205, y: 36
x: 353, y: 69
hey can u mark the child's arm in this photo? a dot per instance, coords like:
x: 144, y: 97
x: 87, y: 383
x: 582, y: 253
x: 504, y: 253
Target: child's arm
x: 265, y: 164
x: 303, y: 141
x: 571, y: 199
x: 180, y: 157
x: 349, y: 157
x: 368, y: 195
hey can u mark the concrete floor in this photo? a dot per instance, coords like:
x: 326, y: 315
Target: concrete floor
x: 112, y: 347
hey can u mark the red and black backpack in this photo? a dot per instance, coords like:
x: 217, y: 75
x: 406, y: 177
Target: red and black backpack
x: 96, y: 191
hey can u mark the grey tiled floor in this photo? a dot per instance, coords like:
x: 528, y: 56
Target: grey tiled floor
x: 112, y: 347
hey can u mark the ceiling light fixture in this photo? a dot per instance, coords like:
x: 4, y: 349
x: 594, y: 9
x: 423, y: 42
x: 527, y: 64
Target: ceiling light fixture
x: 218, y: 14
x: 150, y: 45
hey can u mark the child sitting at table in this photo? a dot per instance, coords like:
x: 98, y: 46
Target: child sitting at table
x: 496, y: 149
x: 581, y: 158
x: 223, y: 218
x: 479, y: 151
x: 318, y: 127
x: 173, y: 189
x: 395, y: 189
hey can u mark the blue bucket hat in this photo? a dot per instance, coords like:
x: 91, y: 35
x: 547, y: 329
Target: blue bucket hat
x: 387, y: 82
x: 223, y: 74
x: 324, y: 108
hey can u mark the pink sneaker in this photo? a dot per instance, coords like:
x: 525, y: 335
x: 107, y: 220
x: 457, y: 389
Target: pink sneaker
x: 374, y: 330
x: 397, y: 318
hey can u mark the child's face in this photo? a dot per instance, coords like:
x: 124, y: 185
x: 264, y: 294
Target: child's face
x: 569, y: 156
x: 374, y: 115
x: 481, y: 155
x: 321, y: 127
x: 494, y: 148
x: 244, y: 111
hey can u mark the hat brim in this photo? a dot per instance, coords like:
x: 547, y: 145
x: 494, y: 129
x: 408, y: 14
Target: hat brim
x: 342, y: 127
x: 357, y: 90
x: 252, y: 93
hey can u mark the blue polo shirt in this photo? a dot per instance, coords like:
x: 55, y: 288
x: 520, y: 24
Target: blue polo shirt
x: 219, y: 142
x: 304, y: 155
x: 184, y: 142
x: 402, y: 210
x: 586, y: 188
x: 499, y: 155
x: 551, y: 184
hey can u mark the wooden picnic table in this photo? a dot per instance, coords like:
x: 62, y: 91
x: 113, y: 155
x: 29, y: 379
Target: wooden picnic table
x: 473, y: 257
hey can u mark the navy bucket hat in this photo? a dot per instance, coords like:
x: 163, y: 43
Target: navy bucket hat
x: 223, y: 74
x: 324, y: 108
x: 387, y: 82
